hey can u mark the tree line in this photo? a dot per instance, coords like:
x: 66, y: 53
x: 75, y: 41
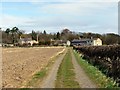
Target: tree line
x: 14, y: 34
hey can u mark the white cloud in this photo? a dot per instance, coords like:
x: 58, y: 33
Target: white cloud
x: 58, y: 16
x: 51, y: 25
x: 11, y: 21
x: 81, y: 8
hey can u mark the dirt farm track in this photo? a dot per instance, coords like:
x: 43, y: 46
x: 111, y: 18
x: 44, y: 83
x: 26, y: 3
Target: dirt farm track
x: 19, y: 64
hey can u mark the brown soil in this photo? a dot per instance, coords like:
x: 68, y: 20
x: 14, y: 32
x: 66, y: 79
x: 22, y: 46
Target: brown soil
x: 19, y: 64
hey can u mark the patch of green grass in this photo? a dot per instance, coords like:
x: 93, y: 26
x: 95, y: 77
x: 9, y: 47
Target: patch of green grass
x: 97, y: 76
x: 66, y: 75
x: 40, y: 74
x: 37, y: 78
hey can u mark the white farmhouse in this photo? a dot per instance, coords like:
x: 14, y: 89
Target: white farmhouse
x: 27, y: 41
x: 68, y: 43
x: 87, y: 42
x: 97, y: 42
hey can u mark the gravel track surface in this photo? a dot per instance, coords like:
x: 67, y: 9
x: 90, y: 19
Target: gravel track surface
x: 81, y: 76
x: 49, y: 82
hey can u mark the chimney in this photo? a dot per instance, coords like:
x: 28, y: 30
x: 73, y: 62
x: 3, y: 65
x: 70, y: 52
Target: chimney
x: 91, y: 37
x: 37, y: 37
x: 20, y: 36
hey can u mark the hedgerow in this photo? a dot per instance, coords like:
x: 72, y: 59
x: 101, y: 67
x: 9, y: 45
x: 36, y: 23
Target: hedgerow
x: 106, y: 58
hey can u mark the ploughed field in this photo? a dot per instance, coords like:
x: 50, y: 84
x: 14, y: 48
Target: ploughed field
x: 19, y: 64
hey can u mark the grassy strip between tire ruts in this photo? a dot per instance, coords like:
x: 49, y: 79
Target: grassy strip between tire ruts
x: 65, y: 74
x: 40, y: 75
x: 95, y: 75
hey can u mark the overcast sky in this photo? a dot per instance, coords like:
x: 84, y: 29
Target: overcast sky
x: 54, y: 15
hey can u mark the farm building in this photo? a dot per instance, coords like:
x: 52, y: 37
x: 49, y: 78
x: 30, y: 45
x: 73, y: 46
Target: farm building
x: 60, y: 42
x: 27, y: 41
x: 68, y: 43
x: 97, y: 41
x: 84, y: 42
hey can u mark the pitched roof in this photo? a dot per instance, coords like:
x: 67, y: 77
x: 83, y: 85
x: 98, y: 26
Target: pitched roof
x: 78, y: 40
x: 87, y: 39
x: 26, y: 39
x: 95, y: 38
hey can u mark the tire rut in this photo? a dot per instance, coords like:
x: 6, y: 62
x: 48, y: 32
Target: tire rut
x: 81, y: 76
x: 49, y: 81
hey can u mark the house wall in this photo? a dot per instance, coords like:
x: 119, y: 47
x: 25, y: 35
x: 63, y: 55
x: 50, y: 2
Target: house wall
x: 68, y: 43
x: 27, y: 42
x: 92, y: 42
x: 97, y: 42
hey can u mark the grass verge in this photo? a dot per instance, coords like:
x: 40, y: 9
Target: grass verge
x: 97, y: 76
x: 65, y: 74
